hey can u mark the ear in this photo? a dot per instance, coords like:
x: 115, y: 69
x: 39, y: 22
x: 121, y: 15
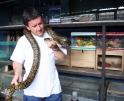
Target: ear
x: 27, y: 27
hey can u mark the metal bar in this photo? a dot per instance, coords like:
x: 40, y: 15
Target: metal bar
x: 103, y: 95
x: 72, y: 24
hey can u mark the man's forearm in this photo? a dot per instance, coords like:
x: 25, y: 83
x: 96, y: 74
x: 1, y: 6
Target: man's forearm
x: 59, y: 54
x: 17, y: 68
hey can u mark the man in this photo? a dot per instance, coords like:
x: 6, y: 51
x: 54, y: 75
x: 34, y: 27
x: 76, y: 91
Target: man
x: 46, y: 84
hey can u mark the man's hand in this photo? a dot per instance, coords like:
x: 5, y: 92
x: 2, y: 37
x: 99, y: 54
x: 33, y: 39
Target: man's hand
x: 16, y: 79
x: 18, y: 73
x: 51, y: 43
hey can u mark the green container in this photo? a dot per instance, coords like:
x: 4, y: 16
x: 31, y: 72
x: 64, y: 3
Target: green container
x: 6, y: 50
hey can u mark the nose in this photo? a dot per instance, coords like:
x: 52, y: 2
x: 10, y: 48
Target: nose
x: 38, y: 27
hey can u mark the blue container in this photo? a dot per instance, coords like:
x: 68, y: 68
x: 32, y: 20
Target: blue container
x: 83, y: 40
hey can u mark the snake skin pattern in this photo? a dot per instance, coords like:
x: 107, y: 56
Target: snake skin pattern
x: 22, y: 85
x: 59, y: 39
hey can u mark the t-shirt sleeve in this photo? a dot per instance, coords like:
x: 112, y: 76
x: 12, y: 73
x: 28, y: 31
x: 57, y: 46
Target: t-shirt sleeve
x: 64, y: 50
x: 18, y: 54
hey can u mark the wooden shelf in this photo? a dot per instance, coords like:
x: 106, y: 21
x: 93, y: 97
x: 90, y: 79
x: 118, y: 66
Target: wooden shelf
x: 112, y: 52
x: 72, y: 24
x: 11, y: 27
x: 90, y: 72
x: 83, y: 59
x: 112, y: 56
x: 111, y: 68
x: 6, y: 62
x: 76, y: 25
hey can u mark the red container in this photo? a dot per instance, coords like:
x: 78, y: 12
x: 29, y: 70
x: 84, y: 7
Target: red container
x: 106, y: 64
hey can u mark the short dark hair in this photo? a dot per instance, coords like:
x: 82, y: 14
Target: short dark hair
x: 30, y: 14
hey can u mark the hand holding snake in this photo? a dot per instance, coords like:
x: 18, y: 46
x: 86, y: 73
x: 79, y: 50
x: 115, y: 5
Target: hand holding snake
x: 51, y: 43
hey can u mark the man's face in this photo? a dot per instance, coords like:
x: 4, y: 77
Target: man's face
x: 36, y: 26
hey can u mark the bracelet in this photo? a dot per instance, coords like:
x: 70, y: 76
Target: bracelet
x: 56, y: 49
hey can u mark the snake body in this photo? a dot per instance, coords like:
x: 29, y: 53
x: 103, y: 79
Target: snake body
x: 22, y: 85
x: 59, y: 39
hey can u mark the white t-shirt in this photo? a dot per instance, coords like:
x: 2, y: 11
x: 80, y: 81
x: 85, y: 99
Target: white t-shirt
x: 46, y: 81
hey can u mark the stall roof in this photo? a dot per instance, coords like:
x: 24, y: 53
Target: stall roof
x: 74, y: 4
x: 85, y: 5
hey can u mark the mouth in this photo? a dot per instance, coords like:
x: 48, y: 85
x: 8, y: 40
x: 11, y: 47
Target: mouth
x: 40, y: 31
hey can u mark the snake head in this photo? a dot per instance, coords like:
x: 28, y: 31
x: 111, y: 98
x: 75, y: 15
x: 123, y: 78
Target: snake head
x: 8, y: 95
x: 7, y: 91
